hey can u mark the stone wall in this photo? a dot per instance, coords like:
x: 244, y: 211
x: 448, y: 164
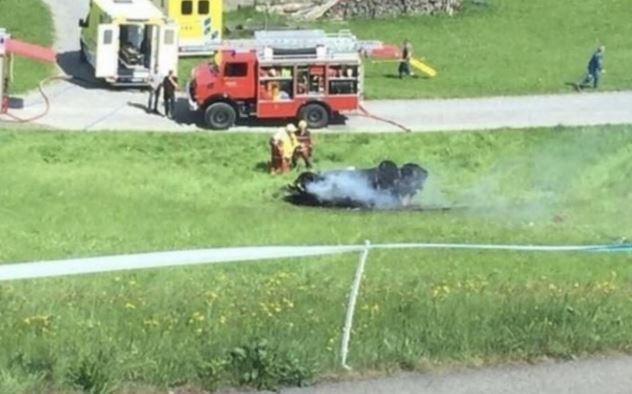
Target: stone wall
x: 390, y: 8
x: 277, y: 4
x: 341, y: 9
x: 233, y: 4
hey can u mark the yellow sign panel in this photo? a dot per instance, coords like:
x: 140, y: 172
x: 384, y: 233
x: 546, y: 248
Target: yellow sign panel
x: 200, y: 21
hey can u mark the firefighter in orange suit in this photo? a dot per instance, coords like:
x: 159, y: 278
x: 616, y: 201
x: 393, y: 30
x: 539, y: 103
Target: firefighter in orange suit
x: 305, y: 145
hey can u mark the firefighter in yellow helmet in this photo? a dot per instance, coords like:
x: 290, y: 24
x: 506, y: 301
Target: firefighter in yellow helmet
x: 282, y: 146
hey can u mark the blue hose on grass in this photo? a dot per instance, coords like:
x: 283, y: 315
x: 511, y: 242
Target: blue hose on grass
x: 627, y: 247
x: 55, y: 268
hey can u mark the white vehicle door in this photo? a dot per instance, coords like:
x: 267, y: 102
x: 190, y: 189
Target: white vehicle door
x: 106, y: 65
x: 168, y: 49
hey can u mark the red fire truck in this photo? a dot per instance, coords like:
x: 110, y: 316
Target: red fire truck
x: 307, y: 75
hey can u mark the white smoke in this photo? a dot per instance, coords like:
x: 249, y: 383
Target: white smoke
x: 351, y: 188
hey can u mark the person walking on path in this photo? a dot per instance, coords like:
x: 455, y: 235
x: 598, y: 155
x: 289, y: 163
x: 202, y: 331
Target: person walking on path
x: 404, y: 64
x: 155, y: 86
x: 595, y: 69
x: 169, y: 87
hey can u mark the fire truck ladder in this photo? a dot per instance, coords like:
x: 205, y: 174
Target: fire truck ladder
x: 342, y: 42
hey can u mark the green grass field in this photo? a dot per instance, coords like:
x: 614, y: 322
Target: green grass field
x: 278, y: 323
x: 504, y: 47
x: 28, y: 20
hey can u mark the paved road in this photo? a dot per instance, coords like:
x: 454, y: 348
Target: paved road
x: 599, y: 375
x: 81, y: 105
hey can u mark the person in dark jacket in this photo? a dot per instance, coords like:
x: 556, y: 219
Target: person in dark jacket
x: 169, y: 87
x: 595, y: 68
x: 404, y: 64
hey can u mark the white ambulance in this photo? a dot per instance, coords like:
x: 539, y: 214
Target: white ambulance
x: 125, y: 39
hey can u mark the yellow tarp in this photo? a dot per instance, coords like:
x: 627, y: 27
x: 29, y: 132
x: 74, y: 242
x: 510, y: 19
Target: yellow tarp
x: 423, y: 67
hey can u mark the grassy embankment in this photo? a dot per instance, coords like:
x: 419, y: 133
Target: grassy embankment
x: 497, y: 47
x: 72, y: 194
x: 28, y: 20
x: 505, y: 47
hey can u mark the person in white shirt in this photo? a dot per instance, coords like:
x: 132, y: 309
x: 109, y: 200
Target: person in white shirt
x: 155, y: 86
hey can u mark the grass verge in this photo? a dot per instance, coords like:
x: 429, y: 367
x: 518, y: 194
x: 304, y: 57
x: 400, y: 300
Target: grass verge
x: 501, y: 47
x: 28, y: 20
x: 278, y: 323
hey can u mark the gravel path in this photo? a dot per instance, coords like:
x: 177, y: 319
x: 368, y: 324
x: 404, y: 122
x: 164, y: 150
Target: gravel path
x: 598, y: 375
x: 82, y: 105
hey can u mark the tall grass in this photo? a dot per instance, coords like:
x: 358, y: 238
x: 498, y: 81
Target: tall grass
x: 278, y: 323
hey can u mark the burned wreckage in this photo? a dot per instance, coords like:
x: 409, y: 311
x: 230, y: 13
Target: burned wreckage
x: 384, y: 187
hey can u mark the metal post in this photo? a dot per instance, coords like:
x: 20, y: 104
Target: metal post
x: 2, y: 92
x: 353, y: 296
x: 3, y: 65
x: 266, y: 15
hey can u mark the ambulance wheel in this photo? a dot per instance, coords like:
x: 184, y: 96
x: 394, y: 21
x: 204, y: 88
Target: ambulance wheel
x: 220, y: 116
x: 315, y: 115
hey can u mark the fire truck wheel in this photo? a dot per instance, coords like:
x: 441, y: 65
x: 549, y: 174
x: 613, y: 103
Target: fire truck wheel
x: 220, y: 116
x: 315, y: 115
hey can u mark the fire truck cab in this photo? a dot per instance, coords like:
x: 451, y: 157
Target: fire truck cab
x: 280, y: 77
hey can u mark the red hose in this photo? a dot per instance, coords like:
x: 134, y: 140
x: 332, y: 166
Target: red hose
x: 364, y: 112
x: 17, y: 119
x: 40, y: 87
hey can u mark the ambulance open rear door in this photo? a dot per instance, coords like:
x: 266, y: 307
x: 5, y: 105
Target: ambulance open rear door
x: 168, y: 49
x: 106, y: 64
